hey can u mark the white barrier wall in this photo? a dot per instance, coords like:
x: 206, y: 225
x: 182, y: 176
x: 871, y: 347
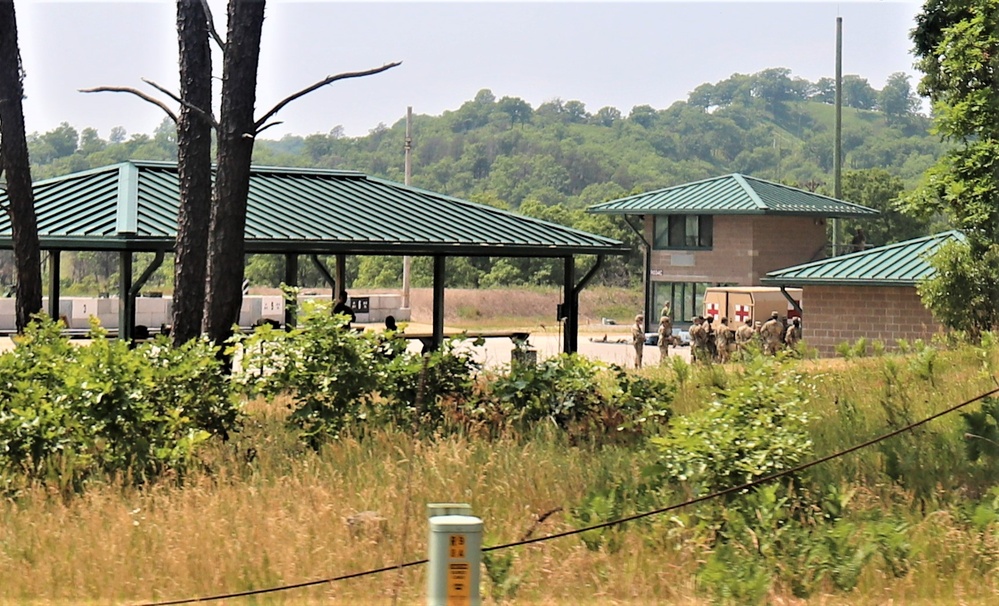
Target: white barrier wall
x: 272, y: 307
x: 375, y: 308
x: 81, y: 308
x: 156, y: 311
x: 8, y: 313
x: 153, y: 311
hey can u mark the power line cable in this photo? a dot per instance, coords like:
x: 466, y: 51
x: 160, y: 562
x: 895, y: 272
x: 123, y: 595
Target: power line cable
x: 567, y: 533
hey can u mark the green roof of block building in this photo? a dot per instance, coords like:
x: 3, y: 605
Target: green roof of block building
x: 733, y: 194
x: 899, y: 264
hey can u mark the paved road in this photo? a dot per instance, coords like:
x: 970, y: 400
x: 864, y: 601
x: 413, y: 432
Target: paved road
x: 496, y: 351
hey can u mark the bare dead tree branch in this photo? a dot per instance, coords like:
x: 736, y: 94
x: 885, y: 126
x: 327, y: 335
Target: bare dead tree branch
x: 320, y: 84
x: 133, y: 91
x: 266, y: 126
x: 211, y: 26
x: 207, y: 115
x: 164, y: 90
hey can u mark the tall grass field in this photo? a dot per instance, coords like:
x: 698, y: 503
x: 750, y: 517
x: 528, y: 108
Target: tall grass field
x: 289, y: 498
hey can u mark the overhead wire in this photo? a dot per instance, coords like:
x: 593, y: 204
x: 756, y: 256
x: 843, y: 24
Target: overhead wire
x: 527, y: 541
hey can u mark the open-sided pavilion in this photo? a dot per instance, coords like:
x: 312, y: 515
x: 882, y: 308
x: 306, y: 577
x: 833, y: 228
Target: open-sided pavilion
x: 131, y: 208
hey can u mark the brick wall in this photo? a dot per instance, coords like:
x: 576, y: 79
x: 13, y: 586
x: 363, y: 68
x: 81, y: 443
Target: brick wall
x: 786, y: 241
x: 745, y: 249
x: 834, y: 314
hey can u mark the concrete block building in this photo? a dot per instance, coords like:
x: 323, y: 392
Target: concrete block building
x: 726, y: 231
x: 870, y: 294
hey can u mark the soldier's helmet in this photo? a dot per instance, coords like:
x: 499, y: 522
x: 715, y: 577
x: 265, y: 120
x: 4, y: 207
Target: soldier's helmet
x: 774, y: 315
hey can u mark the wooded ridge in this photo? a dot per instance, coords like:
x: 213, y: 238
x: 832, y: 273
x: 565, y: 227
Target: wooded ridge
x: 553, y: 160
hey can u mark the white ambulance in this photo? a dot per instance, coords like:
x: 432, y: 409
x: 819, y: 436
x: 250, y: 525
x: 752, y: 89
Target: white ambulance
x: 749, y: 304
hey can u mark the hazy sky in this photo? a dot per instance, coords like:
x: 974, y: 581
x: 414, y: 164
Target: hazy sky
x: 601, y: 53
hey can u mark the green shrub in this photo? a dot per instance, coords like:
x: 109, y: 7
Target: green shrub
x: 330, y: 372
x: 70, y: 413
x: 596, y: 508
x: 417, y: 389
x: 566, y: 391
x: 681, y: 369
x: 561, y: 390
x: 755, y: 429
x: 982, y: 431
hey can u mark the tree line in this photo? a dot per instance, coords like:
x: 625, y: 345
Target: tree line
x: 209, y: 250
x: 553, y: 160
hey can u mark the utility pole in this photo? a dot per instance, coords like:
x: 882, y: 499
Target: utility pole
x: 838, y: 143
x: 407, y: 261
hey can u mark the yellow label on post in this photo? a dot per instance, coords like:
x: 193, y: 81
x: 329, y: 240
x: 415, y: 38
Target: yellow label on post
x: 456, y: 546
x: 459, y: 589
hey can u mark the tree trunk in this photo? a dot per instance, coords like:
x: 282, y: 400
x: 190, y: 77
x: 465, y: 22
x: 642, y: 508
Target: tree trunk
x: 232, y: 182
x: 14, y: 156
x: 194, y: 170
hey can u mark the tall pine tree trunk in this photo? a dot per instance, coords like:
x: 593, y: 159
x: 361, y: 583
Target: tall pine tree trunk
x: 17, y: 168
x: 194, y: 170
x: 232, y: 182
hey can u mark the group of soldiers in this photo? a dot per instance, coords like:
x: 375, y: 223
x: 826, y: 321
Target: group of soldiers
x: 665, y: 336
x: 717, y: 343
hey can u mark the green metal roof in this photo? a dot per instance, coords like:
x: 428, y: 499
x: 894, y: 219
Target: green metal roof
x: 733, y: 194
x: 899, y: 264
x: 133, y: 205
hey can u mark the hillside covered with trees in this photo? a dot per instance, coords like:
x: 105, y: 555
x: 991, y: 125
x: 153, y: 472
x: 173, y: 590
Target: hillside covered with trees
x: 553, y: 160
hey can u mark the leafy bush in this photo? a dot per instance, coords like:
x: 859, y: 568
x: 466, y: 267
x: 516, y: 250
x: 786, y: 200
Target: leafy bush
x: 339, y: 378
x: 765, y: 539
x: 596, y: 508
x: 982, y: 430
x: 565, y: 390
x: 330, y: 372
x: 417, y: 389
x: 561, y: 390
x: 69, y: 413
x: 755, y: 429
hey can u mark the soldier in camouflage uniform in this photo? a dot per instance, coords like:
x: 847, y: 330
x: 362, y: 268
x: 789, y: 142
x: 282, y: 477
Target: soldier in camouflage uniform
x: 744, y: 334
x: 793, y: 334
x: 709, y: 329
x: 771, y: 332
x: 638, y: 338
x: 665, y: 334
x: 724, y: 338
x: 699, y: 341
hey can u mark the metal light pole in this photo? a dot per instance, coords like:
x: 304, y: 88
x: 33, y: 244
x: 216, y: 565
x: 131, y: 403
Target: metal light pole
x: 406, y: 261
x: 838, y: 144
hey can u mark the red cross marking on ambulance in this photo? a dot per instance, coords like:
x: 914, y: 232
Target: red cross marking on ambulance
x: 712, y: 309
x: 742, y: 313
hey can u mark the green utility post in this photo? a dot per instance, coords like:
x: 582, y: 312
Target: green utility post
x: 455, y: 556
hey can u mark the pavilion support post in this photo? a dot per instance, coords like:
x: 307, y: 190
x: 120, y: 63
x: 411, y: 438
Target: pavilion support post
x: 291, y: 279
x: 324, y: 272
x: 794, y: 304
x: 126, y: 302
x: 133, y: 290
x: 578, y: 288
x: 54, y: 270
x: 438, y: 314
x: 647, y: 310
x: 570, y: 305
x: 341, y: 275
